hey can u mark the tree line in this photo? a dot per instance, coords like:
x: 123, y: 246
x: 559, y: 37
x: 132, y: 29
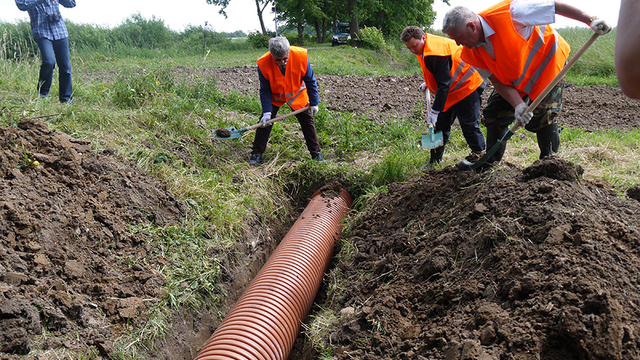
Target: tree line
x: 388, y: 16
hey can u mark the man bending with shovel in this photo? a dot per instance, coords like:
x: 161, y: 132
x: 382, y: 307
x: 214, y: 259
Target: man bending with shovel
x: 457, y: 86
x: 286, y: 77
x: 513, y: 41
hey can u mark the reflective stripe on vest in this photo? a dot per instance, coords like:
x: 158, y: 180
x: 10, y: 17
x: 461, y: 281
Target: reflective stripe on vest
x: 527, y: 64
x: 465, y: 79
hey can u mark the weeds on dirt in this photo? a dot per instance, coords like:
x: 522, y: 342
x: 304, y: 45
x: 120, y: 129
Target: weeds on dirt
x: 317, y: 328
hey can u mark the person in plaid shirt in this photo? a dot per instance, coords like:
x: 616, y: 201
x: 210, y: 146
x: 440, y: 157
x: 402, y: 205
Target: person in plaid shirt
x: 50, y: 33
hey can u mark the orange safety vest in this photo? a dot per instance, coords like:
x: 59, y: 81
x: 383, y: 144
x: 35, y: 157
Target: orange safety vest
x: 289, y: 87
x: 527, y: 65
x: 465, y: 79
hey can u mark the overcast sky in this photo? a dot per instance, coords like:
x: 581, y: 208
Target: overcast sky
x: 242, y: 14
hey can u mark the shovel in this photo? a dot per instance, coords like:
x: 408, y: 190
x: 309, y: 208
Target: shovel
x: 431, y: 139
x: 233, y: 132
x: 467, y: 165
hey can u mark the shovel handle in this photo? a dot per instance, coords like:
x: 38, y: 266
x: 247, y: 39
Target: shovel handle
x: 280, y: 117
x: 536, y: 102
x: 555, y: 80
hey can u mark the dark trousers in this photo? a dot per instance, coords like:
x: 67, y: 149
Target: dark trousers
x: 467, y: 111
x: 308, y: 130
x: 52, y: 51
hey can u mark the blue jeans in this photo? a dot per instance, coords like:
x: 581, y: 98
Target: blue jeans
x: 52, y: 50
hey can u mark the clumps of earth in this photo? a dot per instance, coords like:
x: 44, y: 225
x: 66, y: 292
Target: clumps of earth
x: 512, y: 263
x: 67, y: 253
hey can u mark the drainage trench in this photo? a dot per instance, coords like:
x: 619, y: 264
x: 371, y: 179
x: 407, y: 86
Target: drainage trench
x: 265, y: 321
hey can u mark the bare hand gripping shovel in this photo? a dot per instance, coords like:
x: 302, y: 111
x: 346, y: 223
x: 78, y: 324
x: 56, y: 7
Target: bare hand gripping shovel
x: 467, y: 165
x: 233, y: 132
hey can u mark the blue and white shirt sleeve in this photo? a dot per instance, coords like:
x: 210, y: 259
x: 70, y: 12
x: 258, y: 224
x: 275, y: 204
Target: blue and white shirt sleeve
x: 265, y: 93
x: 526, y: 14
x: 312, y: 86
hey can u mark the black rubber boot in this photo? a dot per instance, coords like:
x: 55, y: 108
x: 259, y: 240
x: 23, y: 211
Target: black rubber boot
x: 436, y: 155
x: 495, y: 134
x: 548, y: 140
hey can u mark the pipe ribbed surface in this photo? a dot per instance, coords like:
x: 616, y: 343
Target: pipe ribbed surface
x: 265, y: 321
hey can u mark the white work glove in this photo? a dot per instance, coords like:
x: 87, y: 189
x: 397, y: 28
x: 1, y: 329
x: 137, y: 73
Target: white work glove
x: 423, y: 87
x: 433, y: 118
x: 313, y: 110
x: 265, y: 117
x: 600, y: 26
x: 522, y: 114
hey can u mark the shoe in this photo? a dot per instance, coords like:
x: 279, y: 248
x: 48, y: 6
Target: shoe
x: 474, y: 156
x: 255, y: 159
x: 317, y: 157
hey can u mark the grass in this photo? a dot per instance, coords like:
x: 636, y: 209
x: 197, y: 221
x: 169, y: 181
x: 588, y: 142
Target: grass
x: 596, y: 66
x: 124, y: 101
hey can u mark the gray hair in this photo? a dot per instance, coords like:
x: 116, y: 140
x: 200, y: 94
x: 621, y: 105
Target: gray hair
x: 279, y: 46
x: 457, y: 18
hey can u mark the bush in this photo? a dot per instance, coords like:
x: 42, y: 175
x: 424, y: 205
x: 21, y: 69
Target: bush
x: 141, y: 33
x: 83, y: 36
x: 372, y: 38
x: 307, y: 39
x: 193, y: 37
x: 258, y: 40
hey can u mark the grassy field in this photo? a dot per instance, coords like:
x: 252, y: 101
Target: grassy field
x: 123, y: 100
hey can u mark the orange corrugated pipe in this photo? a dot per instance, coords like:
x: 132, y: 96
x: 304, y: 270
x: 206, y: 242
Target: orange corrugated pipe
x: 265, y: 321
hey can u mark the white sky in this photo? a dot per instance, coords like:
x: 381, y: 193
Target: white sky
x: 242, y: 14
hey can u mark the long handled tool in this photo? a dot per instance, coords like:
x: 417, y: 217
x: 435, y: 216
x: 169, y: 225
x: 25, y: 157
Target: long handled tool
x: 467, y: 165
x: 431, y: 139
x: 233, y: 132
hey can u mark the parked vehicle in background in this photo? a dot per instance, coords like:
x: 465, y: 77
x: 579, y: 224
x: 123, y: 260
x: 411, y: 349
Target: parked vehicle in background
x: 341, y: 35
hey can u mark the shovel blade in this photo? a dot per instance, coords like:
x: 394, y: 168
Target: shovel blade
x: 467, y: 165
x: 432, y: 139
x: 235, y: 133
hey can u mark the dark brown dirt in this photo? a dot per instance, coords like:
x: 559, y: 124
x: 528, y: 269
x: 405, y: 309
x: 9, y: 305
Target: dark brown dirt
x: 509, y: 264
x: 65, y: 240
x: 532, y: 263
x: 223, y: 132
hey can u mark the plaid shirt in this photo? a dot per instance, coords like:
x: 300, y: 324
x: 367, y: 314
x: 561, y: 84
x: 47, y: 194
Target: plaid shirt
x: 38, y: 10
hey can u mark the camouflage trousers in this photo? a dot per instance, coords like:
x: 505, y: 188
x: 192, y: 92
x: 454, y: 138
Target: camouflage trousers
x: 498, y: 115
x: 499, y: 112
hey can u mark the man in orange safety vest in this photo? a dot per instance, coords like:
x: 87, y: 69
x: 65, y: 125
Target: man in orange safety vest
x: 521, y: 54
x: 457, y: 86
x: 286, y: 76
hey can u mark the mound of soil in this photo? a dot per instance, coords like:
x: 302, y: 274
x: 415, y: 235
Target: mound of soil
x: 513, y: 263
x: 67, y: 257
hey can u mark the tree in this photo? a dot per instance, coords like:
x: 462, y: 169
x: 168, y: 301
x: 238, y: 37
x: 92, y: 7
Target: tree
x: 260, y: 6
x: 389, y: 16
x: 392, y: 16
x: 353, y: 22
